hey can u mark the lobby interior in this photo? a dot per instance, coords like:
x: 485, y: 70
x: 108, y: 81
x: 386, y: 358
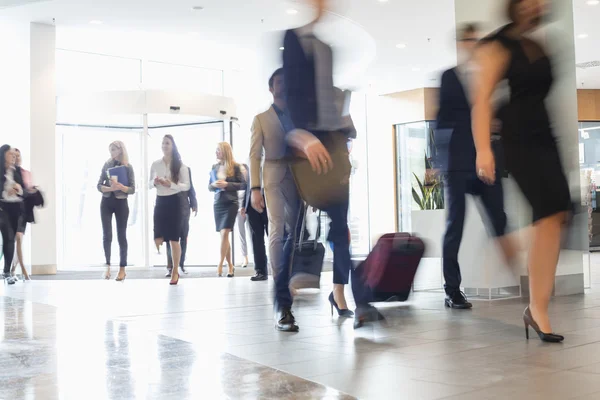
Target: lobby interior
x: 79, y: 75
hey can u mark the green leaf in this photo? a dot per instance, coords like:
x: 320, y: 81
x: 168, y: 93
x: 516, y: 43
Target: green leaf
x: 417, y: 199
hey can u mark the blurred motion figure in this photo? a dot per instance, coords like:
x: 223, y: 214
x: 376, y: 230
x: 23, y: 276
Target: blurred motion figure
x: 532, y: 156
x: 456, y: 160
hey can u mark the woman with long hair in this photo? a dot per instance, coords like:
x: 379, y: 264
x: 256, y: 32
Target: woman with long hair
x: 116, y: 183
x: 170, y: 177
x: 226, y: 179
x: 28, y: 187
x: 532, y: 156
x: 11, y: 207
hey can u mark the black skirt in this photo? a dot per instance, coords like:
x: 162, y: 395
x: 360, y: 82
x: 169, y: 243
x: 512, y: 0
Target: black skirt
x: 168, y: 218
x: 225, y: 214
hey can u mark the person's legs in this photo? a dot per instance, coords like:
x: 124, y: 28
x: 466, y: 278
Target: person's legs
x: 543, y: 260
x: 257, y: 228
x: 8, y: 242
x: 492, y: 198
x: 176, y: 251
x: 106, y: 213
x: 122, y: 216
x: 455, y: 189
x: 240, y: 224
x: 276, y: 211
x: 342, y: 262
x: 184, y: 236
x: 225, y: 251
x: 169, y: 260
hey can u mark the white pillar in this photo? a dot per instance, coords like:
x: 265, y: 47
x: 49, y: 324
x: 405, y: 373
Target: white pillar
x: 558, y: 37
x: 43, y: 153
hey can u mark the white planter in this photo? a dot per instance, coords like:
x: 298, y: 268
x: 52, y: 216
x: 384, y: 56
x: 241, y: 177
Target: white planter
x: 429, y: 225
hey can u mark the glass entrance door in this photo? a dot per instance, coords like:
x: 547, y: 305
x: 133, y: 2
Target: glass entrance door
x: 197, y: 144
x: 84, y: 152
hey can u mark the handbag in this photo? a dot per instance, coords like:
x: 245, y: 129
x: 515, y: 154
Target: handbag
x: 307, y: 260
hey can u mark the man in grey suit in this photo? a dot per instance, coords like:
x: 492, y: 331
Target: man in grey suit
x: 282, y: 199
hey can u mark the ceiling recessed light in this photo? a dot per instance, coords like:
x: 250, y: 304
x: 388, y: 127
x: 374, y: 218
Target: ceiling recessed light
x: 193, y: 33
x: 400, y: 46
x: 282, y: 48
x: 292, y: 11
x: 197, y: 8
x: 383, y: 1
x: 416, y: 69
x: 96, y: 22
x: 593, y: 2
x: 582, y: 35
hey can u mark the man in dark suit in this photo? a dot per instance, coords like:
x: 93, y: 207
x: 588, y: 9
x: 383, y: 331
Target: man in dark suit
x: 456, y: 159
x: 259, y: 225
x: 189, y: 203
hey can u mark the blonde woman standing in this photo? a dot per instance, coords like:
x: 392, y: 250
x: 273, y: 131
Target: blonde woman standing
x: 116, y: 183
x: 226, y: 179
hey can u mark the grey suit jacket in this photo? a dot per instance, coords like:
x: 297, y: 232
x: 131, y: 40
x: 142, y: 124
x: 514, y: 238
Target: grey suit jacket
x: 267, y: 134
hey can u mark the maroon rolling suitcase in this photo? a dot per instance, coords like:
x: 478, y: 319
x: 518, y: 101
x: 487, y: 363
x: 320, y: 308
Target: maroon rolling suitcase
x: 390, y: 268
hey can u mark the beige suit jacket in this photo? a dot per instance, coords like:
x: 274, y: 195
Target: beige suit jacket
x: 268, y: 135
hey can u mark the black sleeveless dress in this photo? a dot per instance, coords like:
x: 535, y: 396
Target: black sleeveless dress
x: 531, y: 152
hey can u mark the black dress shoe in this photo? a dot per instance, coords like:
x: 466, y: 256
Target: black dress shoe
x: 168, y: 274
x: 287, y: 322
x: 457, y: 301
x: 259, y: 277
x: 365, y: 314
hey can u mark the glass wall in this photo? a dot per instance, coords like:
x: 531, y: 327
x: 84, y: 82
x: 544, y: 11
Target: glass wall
x: 84, y: 152
x: 418, y: 187
x: 197, y: 144
x: 589, y: 161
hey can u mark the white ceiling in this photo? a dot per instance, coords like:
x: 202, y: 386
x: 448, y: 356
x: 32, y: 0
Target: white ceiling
x: 240, y: 30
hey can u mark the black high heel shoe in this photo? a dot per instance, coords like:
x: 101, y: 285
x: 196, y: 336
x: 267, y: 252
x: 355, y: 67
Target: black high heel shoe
x: 545, y: 337
x: 232, y: 274
x: 342, y: 313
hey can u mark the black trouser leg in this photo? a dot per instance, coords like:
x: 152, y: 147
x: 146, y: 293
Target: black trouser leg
x: 455, y: 189
x: 258, y: 227
x: 106, y: 212
x: 9, y: 223
x: 185, y: 230
x: 122, y: 216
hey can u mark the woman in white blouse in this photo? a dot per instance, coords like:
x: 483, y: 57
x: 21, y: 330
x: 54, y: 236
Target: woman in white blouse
x: 170, y: 177
x: 11, y: 207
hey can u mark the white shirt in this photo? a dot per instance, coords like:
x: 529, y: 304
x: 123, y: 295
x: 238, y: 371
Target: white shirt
x: 160, y: 169
x: 8, y: 184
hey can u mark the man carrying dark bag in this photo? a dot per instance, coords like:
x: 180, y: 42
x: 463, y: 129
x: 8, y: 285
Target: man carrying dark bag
x: 322, y: 169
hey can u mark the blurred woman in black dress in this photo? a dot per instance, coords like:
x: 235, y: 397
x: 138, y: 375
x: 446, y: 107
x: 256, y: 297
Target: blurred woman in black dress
x: 532, y: 156
x: 226, y: 179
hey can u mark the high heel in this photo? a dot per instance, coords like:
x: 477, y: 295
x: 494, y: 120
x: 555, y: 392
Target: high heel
x: 342, y: 313
x: 220, y: 271
x: 174, y: 282
x: 545, y: 337
x: 106, y: 275
x: 121, y: 279
x: 231, y: 274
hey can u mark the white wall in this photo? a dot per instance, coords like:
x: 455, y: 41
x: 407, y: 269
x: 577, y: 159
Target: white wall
x: 14, y: 84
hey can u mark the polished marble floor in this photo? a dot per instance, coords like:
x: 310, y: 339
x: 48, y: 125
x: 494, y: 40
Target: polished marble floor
x: 213, y: 338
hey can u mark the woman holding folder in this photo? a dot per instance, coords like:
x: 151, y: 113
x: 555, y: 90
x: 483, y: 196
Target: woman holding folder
x: 116, y: 183
x: 170, y: 177
x: 226, y: 179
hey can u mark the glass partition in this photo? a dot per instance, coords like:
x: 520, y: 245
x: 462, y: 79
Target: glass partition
x: 84, y: 152
x: 197, y: 144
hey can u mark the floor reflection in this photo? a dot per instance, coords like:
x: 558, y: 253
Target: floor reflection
x: 49, y: 353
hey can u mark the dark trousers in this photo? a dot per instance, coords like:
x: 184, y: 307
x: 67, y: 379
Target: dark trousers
x: 10, y: 215
x: 120, y: 208
x: 185, y: 230
x: 259, y: 225
x: 342, y: 262
x: 457, y: 185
